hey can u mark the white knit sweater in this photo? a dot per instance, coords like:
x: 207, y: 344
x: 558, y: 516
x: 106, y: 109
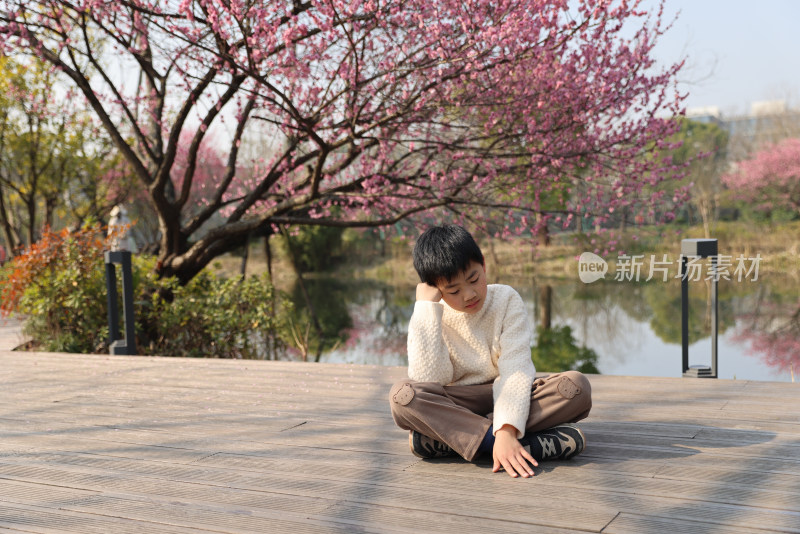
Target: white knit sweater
x: 457, y: 349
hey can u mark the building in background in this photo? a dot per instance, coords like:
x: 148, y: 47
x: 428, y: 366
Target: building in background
x: 767, y: 122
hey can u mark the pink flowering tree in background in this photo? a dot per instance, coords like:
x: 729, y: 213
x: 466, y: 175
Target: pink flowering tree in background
x: 209, y: 164
x: 770, y: 177
x: 364, y: 112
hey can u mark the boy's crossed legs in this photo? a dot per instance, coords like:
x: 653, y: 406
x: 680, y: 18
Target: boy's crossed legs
x: 460, y: 416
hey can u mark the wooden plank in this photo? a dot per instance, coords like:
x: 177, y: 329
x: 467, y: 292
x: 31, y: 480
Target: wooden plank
x: 287, y: 507
x: 576, y: 475
x: 189, y: 451
x: 691, y: 458
x: 620, y: 413
x: 232, y: 446
x: 302, y: 486
x: 152, y: 513
x: 41, y: 520
x: 235, y: 521
x: 784, y: 481
x: 626, y: 523
x: 638, y: 487
x: 648, y: 428
x: 729, y: 442
x: 12, y: 491
x: 416, y: 521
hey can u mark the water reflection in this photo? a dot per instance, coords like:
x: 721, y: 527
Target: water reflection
x: 556, y: 350
x: 769, y: 325
x: 379, y: 325
x: 320, y: 320
x: 633, y: 328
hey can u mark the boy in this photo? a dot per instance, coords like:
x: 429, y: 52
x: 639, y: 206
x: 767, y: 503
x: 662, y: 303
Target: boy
x: 471, y: 386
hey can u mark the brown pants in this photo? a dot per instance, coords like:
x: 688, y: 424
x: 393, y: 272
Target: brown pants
x: 460, y: 416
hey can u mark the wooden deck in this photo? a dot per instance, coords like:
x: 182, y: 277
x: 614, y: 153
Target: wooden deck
x: 134, y: 444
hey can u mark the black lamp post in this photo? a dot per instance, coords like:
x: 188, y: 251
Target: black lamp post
x: 698, y: 248
x: 115, y: 344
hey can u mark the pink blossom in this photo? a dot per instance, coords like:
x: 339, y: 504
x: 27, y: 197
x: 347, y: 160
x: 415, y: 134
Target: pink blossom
x: 369, y: 112
x: 769, y: 176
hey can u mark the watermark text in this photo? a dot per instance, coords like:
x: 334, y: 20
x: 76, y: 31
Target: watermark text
x: 634, y: 268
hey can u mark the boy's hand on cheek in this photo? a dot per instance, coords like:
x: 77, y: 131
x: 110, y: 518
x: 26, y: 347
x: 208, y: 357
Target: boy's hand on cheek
x: 428, y: 292
x: 509, y: 454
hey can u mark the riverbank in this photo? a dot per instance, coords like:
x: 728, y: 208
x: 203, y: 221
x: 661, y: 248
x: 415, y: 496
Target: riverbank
x: 777, y: 246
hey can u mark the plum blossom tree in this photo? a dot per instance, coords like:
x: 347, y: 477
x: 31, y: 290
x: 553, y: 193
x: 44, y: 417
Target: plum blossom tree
x: 770, y: 177
x: 370, y: 111
x: 209, y: 163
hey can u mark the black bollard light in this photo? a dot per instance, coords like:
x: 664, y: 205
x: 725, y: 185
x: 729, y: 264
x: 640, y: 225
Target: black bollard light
x: 116, y: 345
x: 698, y: 248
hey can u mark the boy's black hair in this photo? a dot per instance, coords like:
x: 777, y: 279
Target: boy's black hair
x: 442, y: 252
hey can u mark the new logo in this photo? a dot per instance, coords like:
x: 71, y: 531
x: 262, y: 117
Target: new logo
x: 591, y: 267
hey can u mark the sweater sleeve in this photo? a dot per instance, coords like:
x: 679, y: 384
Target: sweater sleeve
x: 428, y: 356
x: 512, y: 388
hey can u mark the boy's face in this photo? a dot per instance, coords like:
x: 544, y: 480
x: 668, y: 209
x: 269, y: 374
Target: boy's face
x: 466, y: 292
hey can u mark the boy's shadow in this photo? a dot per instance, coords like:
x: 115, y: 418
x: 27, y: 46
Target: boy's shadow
x: 664, y: 440
x: 642, y: 443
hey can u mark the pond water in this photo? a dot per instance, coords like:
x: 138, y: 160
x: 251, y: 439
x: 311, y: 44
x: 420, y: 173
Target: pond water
x: 634, y: 328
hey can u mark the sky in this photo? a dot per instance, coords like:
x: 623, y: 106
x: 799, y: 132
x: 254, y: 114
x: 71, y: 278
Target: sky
x: 737, y: 51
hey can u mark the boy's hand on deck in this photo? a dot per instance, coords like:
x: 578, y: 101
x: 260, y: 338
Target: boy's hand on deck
x: 509, y: 454
x: 428, y: 292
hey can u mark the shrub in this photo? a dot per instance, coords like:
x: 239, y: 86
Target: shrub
x: 59, y: 286
x: 210, y: 317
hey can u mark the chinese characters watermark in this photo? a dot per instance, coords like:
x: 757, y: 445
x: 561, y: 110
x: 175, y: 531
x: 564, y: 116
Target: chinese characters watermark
x: 592, y: 267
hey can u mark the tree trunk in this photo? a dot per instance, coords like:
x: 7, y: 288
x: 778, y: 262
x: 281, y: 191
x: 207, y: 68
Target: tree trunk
x: 184, y: 263
x: 11, y: 235
x: 30, y: 207
x: 542, y: 233
x: 245, y: 256
x: 704, y: 207
x: 495, y: 261
x: 49, y: 211
x: 546, y: 307
x: 268, y: 254
x: 271, y: 342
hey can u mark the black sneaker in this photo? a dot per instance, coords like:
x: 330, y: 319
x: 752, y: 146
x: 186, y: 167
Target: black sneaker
x: 425, y: 447
x: 558, y: 443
